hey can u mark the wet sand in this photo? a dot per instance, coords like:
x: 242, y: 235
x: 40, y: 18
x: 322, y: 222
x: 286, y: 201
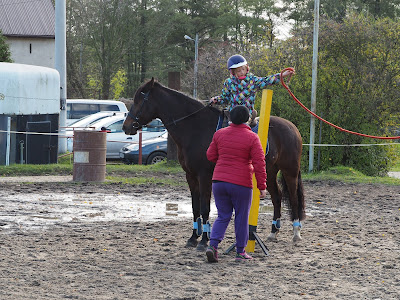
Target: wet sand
x: 86, y: 241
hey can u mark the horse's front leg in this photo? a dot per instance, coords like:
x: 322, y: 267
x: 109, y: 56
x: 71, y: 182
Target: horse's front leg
x: 205, y: 197
x: 197, y: 224
x: 276, y: 197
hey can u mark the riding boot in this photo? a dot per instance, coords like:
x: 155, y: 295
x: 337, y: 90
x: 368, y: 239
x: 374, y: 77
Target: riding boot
x: 252, y: 122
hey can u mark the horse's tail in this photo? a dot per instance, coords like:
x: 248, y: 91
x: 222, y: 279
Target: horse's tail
x: 300, y: 196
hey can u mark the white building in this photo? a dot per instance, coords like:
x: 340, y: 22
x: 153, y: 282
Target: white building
x: 29, y: 27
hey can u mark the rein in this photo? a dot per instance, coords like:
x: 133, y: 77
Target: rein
x: 185, y: 117
x: 136, y: 124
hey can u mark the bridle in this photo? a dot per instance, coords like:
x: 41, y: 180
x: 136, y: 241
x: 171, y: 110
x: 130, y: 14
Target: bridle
x: 136, y: 124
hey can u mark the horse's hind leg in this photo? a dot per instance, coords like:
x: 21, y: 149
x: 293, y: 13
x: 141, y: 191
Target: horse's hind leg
x: 291, y: 186
x: 276, y: 197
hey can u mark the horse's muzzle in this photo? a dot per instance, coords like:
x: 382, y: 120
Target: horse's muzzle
x: 129, y: 130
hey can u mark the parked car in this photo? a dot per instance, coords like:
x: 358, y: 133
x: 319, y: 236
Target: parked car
x: 116, y: 137
x: 79, y: 108
x: 153, y: 151
x: 86, y: 122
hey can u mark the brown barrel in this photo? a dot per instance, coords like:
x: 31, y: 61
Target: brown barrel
x: 90, y: 149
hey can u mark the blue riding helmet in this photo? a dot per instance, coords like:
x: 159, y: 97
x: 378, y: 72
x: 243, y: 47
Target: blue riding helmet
x: 236, y: 61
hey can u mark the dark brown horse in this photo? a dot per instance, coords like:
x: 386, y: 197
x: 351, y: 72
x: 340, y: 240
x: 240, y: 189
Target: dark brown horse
x: 191, y: 124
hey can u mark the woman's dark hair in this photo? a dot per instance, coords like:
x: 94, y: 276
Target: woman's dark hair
x: 239, y: 114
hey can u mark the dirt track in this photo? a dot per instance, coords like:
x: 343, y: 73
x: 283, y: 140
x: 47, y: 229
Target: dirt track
x: 350, y: 247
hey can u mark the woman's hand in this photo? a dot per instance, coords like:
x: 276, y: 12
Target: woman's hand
x: 263, y: 194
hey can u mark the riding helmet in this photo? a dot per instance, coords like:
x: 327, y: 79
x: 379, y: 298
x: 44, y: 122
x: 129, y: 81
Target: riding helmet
x: 236, y: 61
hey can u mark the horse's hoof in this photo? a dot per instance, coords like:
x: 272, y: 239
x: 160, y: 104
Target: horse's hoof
x: 272, y: 237
x: 202, y: 247
x: 191, y: 243
x: 297, y: 238
x: 296, y: 233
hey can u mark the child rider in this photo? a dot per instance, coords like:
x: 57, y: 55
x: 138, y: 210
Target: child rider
x: 241, y: 87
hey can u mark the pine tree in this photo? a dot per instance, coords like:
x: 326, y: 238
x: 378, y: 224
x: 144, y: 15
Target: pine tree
x: 5, y: 54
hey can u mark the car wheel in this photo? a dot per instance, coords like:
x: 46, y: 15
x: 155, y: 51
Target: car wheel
x: 156, y: 157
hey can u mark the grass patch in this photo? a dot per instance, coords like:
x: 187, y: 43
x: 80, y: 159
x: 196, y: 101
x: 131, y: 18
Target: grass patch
x: 395, y: 168
x: 35, y: 170
x: 349, y: 175
x: 171, y: 173
x: 161, y: 167
x: 139, y: 180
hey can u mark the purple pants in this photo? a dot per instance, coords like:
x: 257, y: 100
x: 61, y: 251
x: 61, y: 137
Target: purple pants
x: 229, y: 197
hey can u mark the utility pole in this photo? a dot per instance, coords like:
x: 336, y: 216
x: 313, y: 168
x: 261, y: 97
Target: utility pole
x: 196, y: 61
x: 60, y: 66
x: 314, y: 85
x: 196, y: 64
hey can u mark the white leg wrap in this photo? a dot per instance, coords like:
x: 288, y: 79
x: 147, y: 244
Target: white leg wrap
x: 296, y: 230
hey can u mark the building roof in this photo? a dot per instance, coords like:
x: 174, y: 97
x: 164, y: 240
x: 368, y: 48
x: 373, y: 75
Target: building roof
x: 27, y: 18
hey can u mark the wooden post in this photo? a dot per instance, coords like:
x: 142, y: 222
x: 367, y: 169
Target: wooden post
x: 174, y: 82
x: 263, y: 127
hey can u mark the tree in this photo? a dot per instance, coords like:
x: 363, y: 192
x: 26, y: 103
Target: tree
x: 358, y: 87
x: 145, y: 37
x: 301, y: 11
x: 95, y: 43
x: 5, y: 54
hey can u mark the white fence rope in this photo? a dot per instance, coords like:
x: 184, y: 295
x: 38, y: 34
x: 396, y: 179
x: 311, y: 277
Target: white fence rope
x: 62, y: 135
x: 145, y: 132
x: 351, y: 145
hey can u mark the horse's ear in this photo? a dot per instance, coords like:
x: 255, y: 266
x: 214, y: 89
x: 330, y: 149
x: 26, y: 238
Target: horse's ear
x: 151, y: 83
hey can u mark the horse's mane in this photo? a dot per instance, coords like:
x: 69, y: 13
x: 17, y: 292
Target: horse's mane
x: 185, y: 97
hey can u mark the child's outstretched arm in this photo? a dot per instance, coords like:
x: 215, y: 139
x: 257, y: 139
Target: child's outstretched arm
x: 262, y: 82
x: 224, y: 97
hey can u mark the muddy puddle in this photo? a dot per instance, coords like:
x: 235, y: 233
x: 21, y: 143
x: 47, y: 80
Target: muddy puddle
x: 30, y: 211
x: 41, y: 211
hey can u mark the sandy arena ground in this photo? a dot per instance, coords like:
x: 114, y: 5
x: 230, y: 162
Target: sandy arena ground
x: 90, y: 241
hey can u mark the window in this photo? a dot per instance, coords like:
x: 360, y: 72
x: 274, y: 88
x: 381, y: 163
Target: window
x: 116, y: 127
x: 80, y: 110
x: 109, y: 107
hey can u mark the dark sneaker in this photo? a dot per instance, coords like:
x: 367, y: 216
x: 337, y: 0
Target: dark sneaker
x: 243, y: 256
x: 212, y: 254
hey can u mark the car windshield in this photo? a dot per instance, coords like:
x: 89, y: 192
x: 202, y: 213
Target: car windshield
x: 90, y: 119
x: 154, y: 126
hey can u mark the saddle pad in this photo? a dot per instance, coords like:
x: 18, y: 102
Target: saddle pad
x: 255, y: 129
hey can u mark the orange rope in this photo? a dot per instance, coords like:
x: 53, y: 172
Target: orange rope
x: 329, y: 123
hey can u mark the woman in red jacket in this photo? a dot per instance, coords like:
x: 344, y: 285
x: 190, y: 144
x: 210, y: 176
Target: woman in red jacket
x: 238, y: 154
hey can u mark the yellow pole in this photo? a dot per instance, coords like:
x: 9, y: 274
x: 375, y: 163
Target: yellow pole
x: 263, y: 126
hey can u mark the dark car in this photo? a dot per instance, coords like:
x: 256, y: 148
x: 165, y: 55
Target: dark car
x: 153, y: 151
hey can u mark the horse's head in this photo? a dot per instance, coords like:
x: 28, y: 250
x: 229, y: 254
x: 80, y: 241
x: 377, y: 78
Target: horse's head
x: 141, y: 111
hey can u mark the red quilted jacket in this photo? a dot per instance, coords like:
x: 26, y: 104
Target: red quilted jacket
x: 238, y: 154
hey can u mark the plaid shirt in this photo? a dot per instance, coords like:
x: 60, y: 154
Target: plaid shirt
x: 243, y: 92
